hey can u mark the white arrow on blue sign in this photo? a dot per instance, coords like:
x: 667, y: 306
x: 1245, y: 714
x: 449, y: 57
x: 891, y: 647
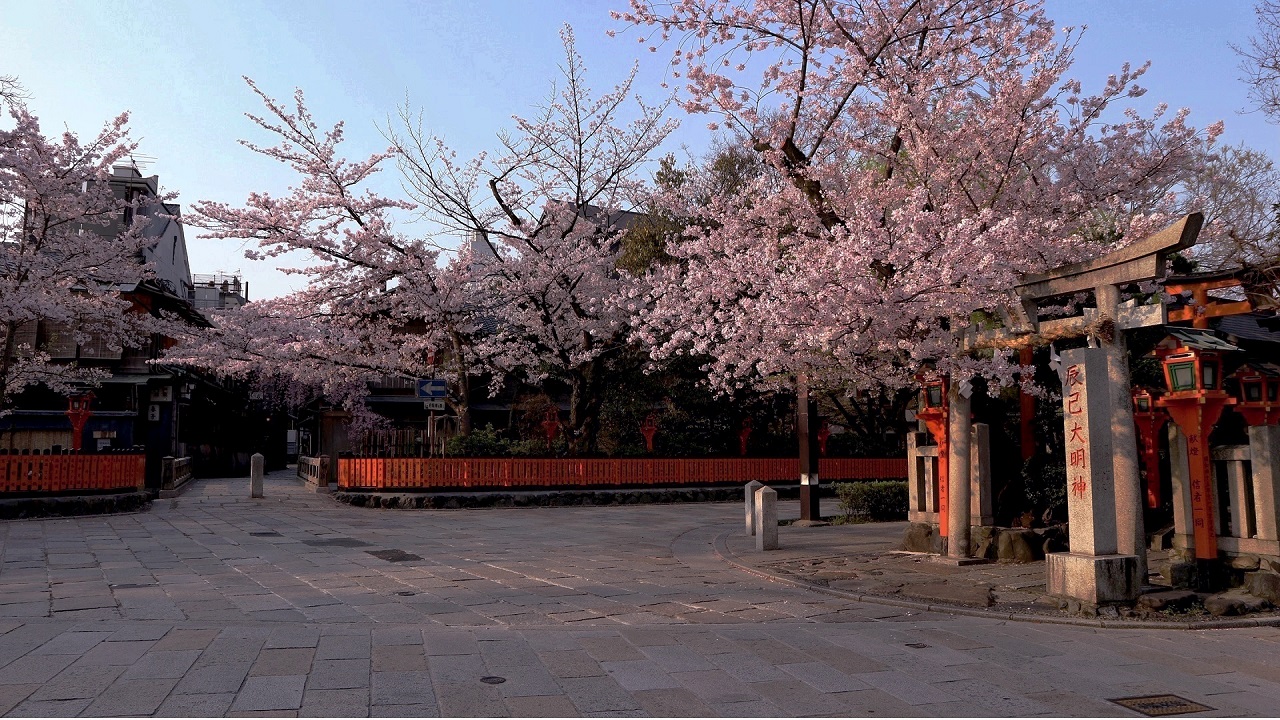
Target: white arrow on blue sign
x: 432, y: 388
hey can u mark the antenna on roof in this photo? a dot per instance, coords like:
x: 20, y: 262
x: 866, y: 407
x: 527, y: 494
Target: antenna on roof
x: 140, y: 161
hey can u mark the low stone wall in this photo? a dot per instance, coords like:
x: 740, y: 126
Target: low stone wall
x: 553, y: 498
x: 35, y: 507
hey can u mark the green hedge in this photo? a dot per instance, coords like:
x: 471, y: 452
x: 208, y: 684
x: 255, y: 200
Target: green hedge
x: 876, y: 501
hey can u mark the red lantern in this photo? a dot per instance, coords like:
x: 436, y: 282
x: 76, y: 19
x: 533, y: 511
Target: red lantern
x: 934, y: 411
x: 79, y: 413
x: 1193, y: 372
x: 1149, y: 420
x: 551, y: 425
x: 648, y: 428
x: 743, y: 435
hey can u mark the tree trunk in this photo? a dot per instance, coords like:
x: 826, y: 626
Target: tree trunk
x: 584, y: 408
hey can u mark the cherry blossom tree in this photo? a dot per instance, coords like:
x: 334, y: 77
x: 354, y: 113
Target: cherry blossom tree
x: 1260, y: 60
x: 923, y: 154
x: 549, y: 208
x: 377, y: 302
x: 63, y: 245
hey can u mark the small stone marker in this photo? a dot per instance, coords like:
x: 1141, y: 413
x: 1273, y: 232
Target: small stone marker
x: 749, y: 499
x: 255, y: 475
x: 766, y: 518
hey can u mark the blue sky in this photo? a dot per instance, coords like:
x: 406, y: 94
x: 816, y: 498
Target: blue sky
x: 468, y: 65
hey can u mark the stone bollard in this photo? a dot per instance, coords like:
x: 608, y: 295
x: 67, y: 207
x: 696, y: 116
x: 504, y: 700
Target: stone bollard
x: 749, y: 499
x: 766, y: 518
x: 255, y: 475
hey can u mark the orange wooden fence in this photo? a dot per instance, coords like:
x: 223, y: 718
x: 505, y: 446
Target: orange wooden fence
x: 66, y: 473
x: 480, y: 473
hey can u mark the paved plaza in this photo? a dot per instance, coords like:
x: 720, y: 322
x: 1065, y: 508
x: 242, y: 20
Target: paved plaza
x: 215, y: 604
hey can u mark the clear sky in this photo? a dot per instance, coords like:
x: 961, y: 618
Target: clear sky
x: 468, y: 65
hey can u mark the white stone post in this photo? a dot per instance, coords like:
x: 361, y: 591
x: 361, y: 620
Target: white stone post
x: 766, y: 518
x: 959, y: 430
x: 255, y: 475
x: 1264, y: 446
x: 980, y: 509
x: 749, y: 499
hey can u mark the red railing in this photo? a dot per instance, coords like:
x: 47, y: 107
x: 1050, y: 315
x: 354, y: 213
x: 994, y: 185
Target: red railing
x: 481, y: 473
x: 68, y: 473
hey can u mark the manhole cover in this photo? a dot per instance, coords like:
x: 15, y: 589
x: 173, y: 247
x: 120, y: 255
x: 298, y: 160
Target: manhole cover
x: 265, y: 534
x: 493, y: 680
x: 1160, y: 705
x: 393, y: 555
x: 917, y: 645
x: 336, y: 542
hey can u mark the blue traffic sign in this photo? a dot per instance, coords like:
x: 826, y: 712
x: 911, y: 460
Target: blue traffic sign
x: 429, y: 388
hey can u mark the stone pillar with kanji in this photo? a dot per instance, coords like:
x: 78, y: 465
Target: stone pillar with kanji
x: 1092, y: 572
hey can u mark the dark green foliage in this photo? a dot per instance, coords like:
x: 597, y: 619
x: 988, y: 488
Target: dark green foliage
x: 880, y: 500
x: 481, y: 442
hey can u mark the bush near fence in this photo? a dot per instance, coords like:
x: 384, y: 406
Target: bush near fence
x: 873, y: 501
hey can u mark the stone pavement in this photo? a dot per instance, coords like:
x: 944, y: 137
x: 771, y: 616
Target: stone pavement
x: 215, y: 604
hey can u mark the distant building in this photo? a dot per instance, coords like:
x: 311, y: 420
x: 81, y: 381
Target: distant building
x: 169, y: 410
x: 218, y: 291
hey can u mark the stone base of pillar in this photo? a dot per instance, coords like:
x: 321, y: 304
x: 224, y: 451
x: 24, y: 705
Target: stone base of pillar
x: 958, y: 561
x: 921, y: 537
x: 1094, y: 579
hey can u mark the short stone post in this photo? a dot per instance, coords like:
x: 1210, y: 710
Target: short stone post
x: 1264, y: 446
x: 749, y: 500
x: 255, y: 475
x: 959, y: 429
x: 1092, y: 572
x: 766, y: 518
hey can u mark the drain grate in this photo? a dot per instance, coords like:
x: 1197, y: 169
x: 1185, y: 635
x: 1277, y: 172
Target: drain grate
x: 1161, y: 705
x: 131, y: 586
x: 265, y: 534
x: 406, y: 593
x: 393, y: 555
x: 492, y: 680
x: 917, y: 645
x: 336, y: 542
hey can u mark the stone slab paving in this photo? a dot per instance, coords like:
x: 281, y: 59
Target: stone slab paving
x: 214, y: 604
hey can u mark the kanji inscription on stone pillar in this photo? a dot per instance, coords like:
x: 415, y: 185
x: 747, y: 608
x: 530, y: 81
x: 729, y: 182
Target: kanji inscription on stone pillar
x: 1087, y: 421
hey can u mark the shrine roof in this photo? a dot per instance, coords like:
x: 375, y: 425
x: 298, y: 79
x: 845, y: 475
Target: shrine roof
x: 1199, y: 339
x: 1256, y: 326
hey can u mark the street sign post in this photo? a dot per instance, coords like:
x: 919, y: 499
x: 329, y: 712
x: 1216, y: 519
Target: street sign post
x: 432, y: 388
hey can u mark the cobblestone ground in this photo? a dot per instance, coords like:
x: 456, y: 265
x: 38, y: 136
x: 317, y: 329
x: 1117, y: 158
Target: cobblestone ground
x: 215, y: 604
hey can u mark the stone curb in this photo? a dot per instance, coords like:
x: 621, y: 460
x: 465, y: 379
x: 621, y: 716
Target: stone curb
x: 728, y: 556
x: 73, y: 505
x: 542, y: 498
